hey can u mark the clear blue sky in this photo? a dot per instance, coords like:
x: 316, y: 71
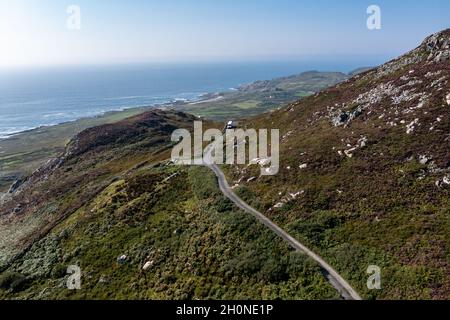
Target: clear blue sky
x: 33, y: 32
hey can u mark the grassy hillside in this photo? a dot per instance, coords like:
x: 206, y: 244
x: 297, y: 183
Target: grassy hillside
x: 364, y: 180
x: 113, y: 194
x: 365, y: 174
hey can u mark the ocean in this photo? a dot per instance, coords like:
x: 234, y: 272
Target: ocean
x: 31, y: 98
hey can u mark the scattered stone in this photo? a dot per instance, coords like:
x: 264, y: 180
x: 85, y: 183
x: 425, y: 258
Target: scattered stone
x: 410, y: 127
x: 103, y: 279
x: 414, y: 82
x: 18, y: 208
x: 446, y: 179
x: 303, y: 166
x: 433, y: 74
x: 442, y: 56
x: 349, y: 153
x: 448, y: 99
x: 424, y: 159
x: 148, y: 265
x: 122, y: 259
x: 295, y: 195
x: 362, y: 142
x: 340, y: 119
x: 343, y: 117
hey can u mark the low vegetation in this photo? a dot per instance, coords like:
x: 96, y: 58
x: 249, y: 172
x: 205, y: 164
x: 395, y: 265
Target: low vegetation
x: 140, y: 228
x: 196, y: 246
x: 364, y: 180
x: 365, y: 174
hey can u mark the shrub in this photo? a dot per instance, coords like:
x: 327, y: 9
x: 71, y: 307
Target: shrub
x: 222, y: 204
x: 12, y: 280
x: 274, y: 271
x: 59, y: 271
x: 19, y: 284
x: 203, y: 183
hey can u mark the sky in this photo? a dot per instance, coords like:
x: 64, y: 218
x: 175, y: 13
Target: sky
x: 35, y: 32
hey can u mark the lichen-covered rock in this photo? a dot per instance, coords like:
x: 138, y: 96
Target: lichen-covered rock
x: 122, y: 259
x: 340, y: 119
x: 148, y: 265
x: 438, y: 45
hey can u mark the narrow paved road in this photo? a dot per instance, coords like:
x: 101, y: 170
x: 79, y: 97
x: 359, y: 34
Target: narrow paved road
x: 336, y: 280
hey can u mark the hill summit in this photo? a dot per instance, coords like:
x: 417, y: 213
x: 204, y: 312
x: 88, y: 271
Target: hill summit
x: 365, y: 175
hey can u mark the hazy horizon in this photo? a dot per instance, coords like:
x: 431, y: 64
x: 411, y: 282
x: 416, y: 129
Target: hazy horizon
x: 36, y: 33
x: 342, y: 63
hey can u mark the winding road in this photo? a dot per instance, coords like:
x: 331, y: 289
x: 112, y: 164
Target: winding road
x: 336, y: 280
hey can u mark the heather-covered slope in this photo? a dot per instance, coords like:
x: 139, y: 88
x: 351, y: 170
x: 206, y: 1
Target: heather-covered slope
x: 365, y: 180
x: 365, y: 177
x: 91, y: 161
x: 140, y: 228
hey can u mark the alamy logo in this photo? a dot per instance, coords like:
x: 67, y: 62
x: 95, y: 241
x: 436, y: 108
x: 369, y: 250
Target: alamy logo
x: 374, y: 280
x: 74, y: 280
x: 374, y: 20
x: 234, y: 142
x: 74, y: 18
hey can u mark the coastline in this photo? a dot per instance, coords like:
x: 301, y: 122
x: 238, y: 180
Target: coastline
x: 23, y: 152
x: 173, y: 103
x: 97, y: 116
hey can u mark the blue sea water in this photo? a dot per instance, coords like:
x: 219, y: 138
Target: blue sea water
x: 31, y: 98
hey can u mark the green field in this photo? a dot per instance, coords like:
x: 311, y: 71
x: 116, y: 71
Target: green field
x: 262, y: 96
x: 250, y: 104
